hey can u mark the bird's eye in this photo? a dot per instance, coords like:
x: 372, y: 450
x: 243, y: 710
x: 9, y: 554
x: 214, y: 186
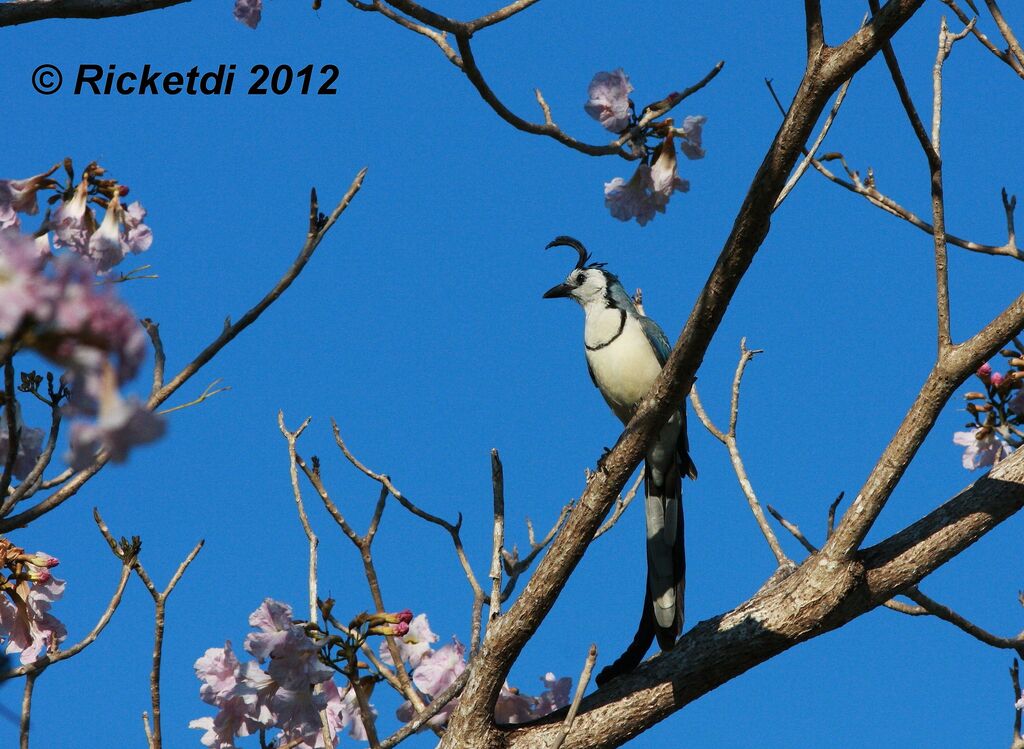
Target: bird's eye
x: 580, y: 278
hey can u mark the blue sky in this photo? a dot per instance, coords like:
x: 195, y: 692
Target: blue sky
x: 419, y: 326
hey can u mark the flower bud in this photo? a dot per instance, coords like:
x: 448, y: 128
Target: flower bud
x: 996, y: 379
x: 398, y: 629
x: 974, y: 395
x: 42, y: 559
x: 405, y: 616
x: 984, y: 371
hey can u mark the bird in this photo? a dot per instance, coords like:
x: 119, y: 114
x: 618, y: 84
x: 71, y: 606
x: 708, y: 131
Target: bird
x: 625, y: 351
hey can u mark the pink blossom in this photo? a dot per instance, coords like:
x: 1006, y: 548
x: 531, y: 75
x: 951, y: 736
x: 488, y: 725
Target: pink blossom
x: 633, y: 199
x: 19, y: 196
x: 414, y: 646
x: 274, y: 620
x: 343, y: 710
x: 438, y: 671
x: 690, y: 142
x: 24, y: 292
x: 996, y: 379
x: 27, y: 625
x: 73, y: 221
x: 122, y: 424
x: 110, y: 243
x: 664, y: 179
x: 512, y: 707
x: 555, y: 694
x: 979, y: 453
x: 608, y: 101
x: 249, y: 12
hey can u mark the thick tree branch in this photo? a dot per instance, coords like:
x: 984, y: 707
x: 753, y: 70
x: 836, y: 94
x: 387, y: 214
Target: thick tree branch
x: 830, y: 592
x: 15, y: 12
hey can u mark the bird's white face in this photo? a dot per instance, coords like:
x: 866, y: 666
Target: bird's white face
x: 586, y: 286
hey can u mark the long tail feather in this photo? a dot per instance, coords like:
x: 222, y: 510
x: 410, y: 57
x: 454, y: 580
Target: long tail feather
x: 637, y: 649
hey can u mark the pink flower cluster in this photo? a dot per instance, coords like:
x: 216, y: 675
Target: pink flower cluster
x: 283, y: 695
x: 249, y: 12
x: 55, y: 305
x: 998, y: 413
x: 648, y: 191
x: 27, y: 591
x: 433, y: 671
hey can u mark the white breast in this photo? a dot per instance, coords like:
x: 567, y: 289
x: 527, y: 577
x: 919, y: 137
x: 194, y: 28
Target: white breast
x: 624, y: 369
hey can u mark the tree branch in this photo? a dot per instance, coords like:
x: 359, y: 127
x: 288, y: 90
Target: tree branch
x: 27, y: 11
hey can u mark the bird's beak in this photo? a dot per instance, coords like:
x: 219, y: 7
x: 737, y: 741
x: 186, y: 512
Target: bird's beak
x: 554, y: 292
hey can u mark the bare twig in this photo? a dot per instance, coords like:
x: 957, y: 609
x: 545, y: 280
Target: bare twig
x: 934, y: 153
x: 1006, y: 31
x: 313, y: 542
x: 1004, y: 55
x: 581, y: 687
x: 947, y: 614
x: 210, y: 391
x: 26, y: 708
x: 620, y: 506
x: 440, y: 38
x: 160, y: 606
x: 809, y: 153
x: 729, y: 439
x: 498, y: 543
x: 31, y: 483
x: 364, y: 544
x: 515, y: 567
x: 159, y: 357
x: 420, y: 719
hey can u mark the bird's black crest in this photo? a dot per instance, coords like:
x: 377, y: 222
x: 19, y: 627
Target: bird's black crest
x: 576, y: 245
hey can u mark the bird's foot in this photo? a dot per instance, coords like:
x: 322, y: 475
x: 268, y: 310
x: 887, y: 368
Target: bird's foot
x: 603, y: 458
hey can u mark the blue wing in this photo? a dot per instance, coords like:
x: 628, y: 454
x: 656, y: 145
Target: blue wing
x: 662, y: 349
x: 659, y: 342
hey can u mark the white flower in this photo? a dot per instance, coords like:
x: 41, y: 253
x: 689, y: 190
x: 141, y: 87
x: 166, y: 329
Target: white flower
x: 609, y: 100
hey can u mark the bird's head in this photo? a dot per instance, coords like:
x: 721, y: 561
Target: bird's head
x: 587, y: 282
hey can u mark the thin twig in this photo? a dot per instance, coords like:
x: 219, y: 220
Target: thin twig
x: 1006, y: 31
x: 159, y: 357
x: 313, y: 543
x: 581, y: 687
x: 945, y: 46
x: 210, y: 391
x: 809, y: 154
x: 1002, y: 54
x: 620, y: 506
x: 26, y: 708
x: 498, y: 541
x: 364, y: 544
x: 155, y: 738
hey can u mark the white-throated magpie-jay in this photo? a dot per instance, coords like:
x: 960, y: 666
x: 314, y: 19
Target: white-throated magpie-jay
x: 625, y: 352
